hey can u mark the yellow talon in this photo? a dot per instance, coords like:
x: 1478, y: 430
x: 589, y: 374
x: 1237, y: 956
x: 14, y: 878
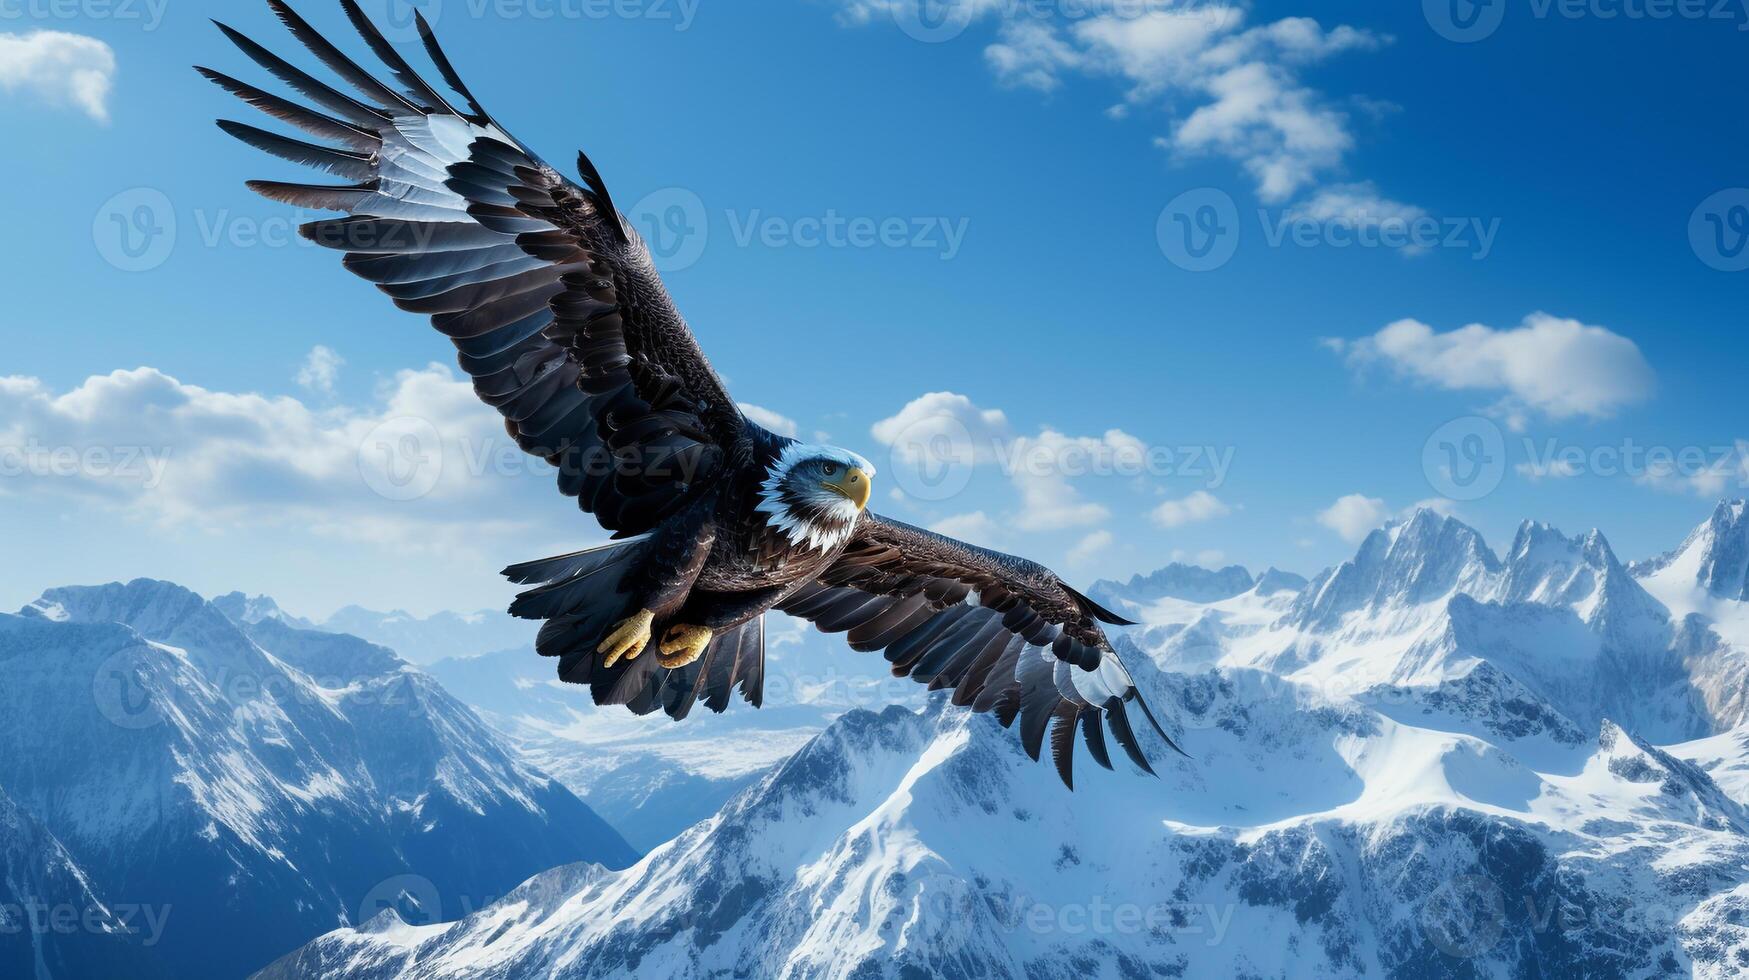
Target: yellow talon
x: 682, y: 645
x: 628, y: 639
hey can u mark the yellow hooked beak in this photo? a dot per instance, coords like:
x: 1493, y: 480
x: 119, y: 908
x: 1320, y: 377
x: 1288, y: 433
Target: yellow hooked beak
x: 854, y: 485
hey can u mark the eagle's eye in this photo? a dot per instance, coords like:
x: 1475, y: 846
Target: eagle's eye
x: 830, y: 469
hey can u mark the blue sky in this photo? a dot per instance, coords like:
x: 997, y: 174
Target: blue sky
x: 980, y: 235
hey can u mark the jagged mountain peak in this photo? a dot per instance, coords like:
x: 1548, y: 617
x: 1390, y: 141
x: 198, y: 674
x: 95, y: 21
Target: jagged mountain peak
x: 244, y: 610
x: 1424, y: 558
x: 1274, y: 580
x: 238, y: 767
x: 1715, y: 556
x: 1179, y: 580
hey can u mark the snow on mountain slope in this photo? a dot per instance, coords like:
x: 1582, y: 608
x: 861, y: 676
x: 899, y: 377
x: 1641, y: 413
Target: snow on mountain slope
x: 1190, y: 583
x: 652, y: 778
x: 1310, y: 838
x: 1428, y: 762
x: 263, y: 788
x: 52, y: 924
x: 1702, y: 584
x: 1426, y: 612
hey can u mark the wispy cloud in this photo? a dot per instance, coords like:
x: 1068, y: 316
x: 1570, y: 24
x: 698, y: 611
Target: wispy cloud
x: 59, y: 69
x: 1726, y: 474
x: 1197, y: 507
x: 1358, y: 206
x: 320, y: 370
x: 1229, y: 88
x: 1091, y: 547
x: 1354, y: 516
x: 783, y: 425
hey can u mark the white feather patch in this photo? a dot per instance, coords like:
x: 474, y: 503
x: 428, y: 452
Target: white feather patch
x: 798, y: 527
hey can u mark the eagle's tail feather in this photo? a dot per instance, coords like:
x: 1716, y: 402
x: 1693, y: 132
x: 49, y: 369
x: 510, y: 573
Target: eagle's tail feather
x: 582, y: 595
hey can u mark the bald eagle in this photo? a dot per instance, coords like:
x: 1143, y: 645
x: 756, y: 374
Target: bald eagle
x: 559, y: 317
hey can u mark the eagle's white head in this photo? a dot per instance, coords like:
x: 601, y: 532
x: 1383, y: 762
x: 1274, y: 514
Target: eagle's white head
x: 813, y: 494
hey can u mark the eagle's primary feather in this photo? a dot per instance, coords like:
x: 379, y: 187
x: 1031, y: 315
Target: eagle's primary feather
x: 558, y: 316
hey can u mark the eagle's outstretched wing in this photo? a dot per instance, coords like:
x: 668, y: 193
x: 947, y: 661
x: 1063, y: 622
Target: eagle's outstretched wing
x: 1005, y: 634
x: 548, y: 294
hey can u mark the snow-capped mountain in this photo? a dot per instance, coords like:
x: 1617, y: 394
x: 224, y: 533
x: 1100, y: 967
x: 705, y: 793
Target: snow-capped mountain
x: 652, y: 778
x: 1191, y: 583
x: 1425, y: 607
x: 1431, y: 762
x: 1310, y: 839
x: 1714, y: 559
x: 51, y: 922
x: 417, y: 639
x: 262, y: 782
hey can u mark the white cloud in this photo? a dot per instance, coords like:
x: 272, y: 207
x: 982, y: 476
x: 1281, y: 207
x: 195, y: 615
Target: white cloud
x: 1235, y: 90
x: 944, y: 428
x: 1254, y: 109
x: 1359, y: 206
x: 1560, y: 367
x: 426, y: 469
x: 1040, y: 467
x: 783, y: 425
x: 1354, y: 517
x: 1090, y: 547
x: 1030, y: 54
x: 1197, y: 507
x: 60, y: 69
x: 320, y: 370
